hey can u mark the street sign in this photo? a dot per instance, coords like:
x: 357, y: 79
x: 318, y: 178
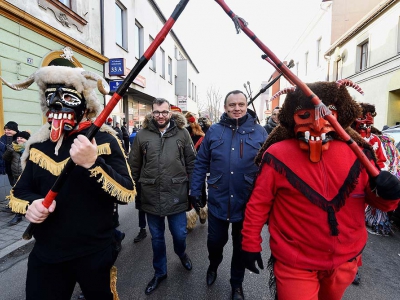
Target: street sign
x: 116, y: 67
x: 114, y: 84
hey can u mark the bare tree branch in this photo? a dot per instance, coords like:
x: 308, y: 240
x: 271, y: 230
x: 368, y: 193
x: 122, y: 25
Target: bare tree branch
x: 211, y: 106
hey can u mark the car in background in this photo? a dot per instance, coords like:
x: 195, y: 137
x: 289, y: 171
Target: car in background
x: 394, y: 132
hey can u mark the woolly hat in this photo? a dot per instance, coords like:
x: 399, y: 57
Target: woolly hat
x: 24, y: 134
x: 83, y: 81
x: 11, y: 125
x: 109, y: 120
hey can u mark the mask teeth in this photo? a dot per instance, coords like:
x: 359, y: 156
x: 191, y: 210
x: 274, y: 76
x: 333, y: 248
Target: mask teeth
x: 65, y: 116
x: 69, y: 117
x: 323, y: 136
x: 312, y: 138
x: 50, y: 115
x: 317, y: 138
x: 307, y: 135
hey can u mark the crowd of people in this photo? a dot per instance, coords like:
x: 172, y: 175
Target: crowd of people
x: 297, y: 176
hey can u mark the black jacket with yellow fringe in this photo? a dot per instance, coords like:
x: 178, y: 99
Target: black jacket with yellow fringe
x: 82, y: 221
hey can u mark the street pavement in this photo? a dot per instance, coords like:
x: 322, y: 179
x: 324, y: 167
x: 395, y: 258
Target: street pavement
x: 380, y: 272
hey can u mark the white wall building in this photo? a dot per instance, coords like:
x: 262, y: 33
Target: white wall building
x: 129, y: 29
x: 369, y: 54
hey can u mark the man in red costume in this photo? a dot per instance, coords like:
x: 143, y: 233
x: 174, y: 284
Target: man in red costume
x: 312, y: 190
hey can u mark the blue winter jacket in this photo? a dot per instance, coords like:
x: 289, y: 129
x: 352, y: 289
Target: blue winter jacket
x: 3, y: 142
x: 227, y: 153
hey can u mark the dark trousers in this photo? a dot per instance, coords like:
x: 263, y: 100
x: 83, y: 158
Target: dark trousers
x: 57, y: 281
x: 142, y: 219
x: 217, y: 239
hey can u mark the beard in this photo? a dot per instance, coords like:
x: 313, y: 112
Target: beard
x: 163, y: 125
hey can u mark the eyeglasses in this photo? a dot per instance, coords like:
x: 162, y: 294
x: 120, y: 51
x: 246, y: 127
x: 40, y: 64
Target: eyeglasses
x: 164, y: 113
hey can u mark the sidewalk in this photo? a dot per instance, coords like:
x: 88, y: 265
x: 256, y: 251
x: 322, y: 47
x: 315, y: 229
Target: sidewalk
x: 10, y: 236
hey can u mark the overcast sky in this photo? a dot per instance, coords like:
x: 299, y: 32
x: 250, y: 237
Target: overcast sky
x: 226, y: 59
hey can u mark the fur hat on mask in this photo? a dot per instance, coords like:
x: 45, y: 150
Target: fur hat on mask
x: 331, y: 94
x: 83, y: 81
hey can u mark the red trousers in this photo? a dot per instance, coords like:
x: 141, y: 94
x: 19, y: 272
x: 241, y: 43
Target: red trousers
x: 297, y: 284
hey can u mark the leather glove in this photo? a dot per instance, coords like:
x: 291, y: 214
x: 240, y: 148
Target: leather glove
x: 387, y: 186
x: 196, y: 202
x: 250, y: 258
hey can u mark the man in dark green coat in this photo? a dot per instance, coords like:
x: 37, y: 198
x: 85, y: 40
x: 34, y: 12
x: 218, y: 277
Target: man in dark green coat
x: 162, y: 160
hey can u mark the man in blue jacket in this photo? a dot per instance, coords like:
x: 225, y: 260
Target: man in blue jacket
x: 227, y: 153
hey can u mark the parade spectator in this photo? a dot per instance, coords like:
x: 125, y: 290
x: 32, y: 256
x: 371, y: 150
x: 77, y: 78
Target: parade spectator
x: 197, y: 135
x: 273, y: 120
x: 74, y: 236
x: 311, y: 191
x: 161, y: 160
x: 132, y: 136
x: 227, y: 153
x: 10, y: 131
x: 204, y: 123
x: 119, y: 133
x: 13, y: 156
x: 125, y: 137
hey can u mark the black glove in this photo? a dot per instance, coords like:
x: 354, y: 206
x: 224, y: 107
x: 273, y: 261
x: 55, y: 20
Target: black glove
x: 249, y: 260
x: 387, y: 186
x: 196, y: 202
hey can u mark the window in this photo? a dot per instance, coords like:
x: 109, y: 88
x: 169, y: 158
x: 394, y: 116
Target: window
x: 120, y: 25
x: 363, y: 48
x: 338, y: 69
x: 193, y: 94
x: 66, y: 2
x: 319, y: 52
x: 138, y: 40
x: 306, y: 63
x: 189, y: 88
x: 154, y: 57
x: 162, y: 62
x: 297, y: 69
x: 169, y: 69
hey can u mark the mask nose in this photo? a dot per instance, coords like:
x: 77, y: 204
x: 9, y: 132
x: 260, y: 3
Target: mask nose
x: 55, y: 99
x: 318, y: 124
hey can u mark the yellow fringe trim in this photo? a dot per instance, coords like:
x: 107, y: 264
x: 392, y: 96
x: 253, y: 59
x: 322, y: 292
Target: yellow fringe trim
x: 17, y: 205
x: 104, y: 149
x: 55, y: 168
x: 45, y: 162
x: 113, y: 282
x: 112, y: 187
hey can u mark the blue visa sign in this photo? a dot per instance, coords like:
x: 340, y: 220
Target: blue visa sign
x: 116, y: 67
x: 114, y: 85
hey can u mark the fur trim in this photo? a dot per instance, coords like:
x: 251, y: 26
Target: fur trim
x: 191, y: 217
x: 178, y: 117
x: 70, y: 77
x: 348, y: 110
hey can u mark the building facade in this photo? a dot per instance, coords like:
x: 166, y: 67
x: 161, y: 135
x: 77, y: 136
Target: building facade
x: 170, y: 74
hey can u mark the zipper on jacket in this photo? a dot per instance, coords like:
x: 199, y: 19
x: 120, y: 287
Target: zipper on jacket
x: 229, y: 209
x: 180, y: 149
x: 241, y: 148
x: 144, y: 149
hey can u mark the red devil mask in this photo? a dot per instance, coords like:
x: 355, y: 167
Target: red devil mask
x: 313, y: 133
x: 364, y: 123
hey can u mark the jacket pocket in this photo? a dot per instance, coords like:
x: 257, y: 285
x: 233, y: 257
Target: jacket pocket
x: 145, y: 147
x: 212, y: 180
x: 216, y: 144
x: 253, y: 144
x: 179, y: 179
x: 147, y: 180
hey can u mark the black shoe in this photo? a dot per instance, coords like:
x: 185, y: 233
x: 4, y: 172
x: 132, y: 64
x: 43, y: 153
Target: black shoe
x: 357, y: 279
x: 17, y: 218
x: 203, y: 221
x: 153, y: 284
x: 237, y: 293
x: 211, y: 276
x: 142, y: 234
x: 81, y: 296
x: 186, y: 262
